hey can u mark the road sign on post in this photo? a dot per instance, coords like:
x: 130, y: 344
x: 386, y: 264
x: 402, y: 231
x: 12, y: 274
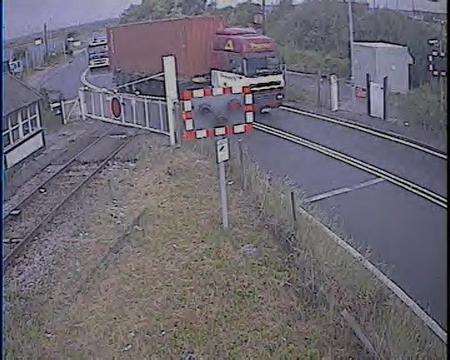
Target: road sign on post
x: 218, y: 113
x: 223, y: 155
x: 222, y: 150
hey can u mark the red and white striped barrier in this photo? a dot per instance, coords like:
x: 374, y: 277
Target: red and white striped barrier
x: 226, y: 130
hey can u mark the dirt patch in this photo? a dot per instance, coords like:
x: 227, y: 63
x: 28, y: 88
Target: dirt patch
x: 140, y: 269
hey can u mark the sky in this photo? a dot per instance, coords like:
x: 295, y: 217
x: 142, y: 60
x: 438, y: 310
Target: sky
x: 22, y: 17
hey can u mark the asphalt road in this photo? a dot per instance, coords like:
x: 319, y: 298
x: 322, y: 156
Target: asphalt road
x: 63, y: 79
x: 405, y: 231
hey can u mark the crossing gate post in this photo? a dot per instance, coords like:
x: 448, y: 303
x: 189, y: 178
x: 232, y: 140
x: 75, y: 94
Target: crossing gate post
x: 170, y: 82
x: 385, y: 97
x: 368, y: 93
x: 82, y: 103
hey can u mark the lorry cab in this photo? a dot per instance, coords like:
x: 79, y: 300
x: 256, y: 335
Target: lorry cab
x: 98, y: 52
x: 242, y: 57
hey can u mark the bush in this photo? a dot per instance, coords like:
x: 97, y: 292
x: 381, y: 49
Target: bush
x: 313, y: 61
x: 422, y: 107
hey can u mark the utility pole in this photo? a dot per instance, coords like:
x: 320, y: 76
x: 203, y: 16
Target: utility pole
x: 350, y: 29
x: 65, y: 47
x: 264, y: 17
x: 45, y: 42
x: 350, y: 37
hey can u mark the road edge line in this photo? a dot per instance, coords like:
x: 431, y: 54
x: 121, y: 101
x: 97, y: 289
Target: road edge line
x: 395, y: 137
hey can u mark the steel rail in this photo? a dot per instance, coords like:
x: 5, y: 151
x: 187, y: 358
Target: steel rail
x: 7, y: 260
x: 64, y: 166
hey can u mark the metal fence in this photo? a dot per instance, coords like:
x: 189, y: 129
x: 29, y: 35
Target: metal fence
x: 33, y: 56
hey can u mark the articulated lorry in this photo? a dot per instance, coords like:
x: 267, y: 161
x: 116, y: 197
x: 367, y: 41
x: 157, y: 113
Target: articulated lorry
x: 207, y: 54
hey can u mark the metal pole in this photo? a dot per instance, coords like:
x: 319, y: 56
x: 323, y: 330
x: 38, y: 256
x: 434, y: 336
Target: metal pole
x: 350, y: 38
x: 368, y: 93
x: 294, y: 212
x: 241, y: 162
x: 350, y: 29
x: 223, y: 195
x: 385, y: 97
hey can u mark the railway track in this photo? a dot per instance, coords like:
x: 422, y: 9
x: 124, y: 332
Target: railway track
x: 369, y: 130
x: 25, y: 221
x: 56, y: 165
x: 371, y: 169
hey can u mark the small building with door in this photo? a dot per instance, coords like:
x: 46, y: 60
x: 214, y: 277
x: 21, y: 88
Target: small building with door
x: 380, y: 59
x: 21, y: 121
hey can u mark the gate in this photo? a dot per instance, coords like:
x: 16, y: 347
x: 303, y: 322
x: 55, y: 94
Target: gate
x: 70, y: 110
x: 139, y: 111
x: 376, y: 100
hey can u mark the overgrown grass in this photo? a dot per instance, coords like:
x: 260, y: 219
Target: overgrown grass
x: 172, y: 282
x: 423, y: 109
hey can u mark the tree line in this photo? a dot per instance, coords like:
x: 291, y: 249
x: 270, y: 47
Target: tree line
x: 314, y: 34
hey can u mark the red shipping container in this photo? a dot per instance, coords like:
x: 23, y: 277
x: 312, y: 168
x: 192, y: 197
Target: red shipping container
x: 138, y: 48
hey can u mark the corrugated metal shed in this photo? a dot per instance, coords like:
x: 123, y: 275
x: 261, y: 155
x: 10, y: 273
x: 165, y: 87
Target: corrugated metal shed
x: 17, y: 95
x: 380, y: 59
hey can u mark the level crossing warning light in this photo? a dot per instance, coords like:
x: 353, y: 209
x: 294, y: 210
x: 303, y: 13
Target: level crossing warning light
x: 216, y: 112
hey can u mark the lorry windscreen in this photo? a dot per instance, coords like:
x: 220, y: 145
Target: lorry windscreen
x: 263, y: 66
x: 97, y: 49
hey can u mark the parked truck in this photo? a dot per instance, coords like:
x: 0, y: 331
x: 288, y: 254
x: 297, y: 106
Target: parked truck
x: 207, y: 54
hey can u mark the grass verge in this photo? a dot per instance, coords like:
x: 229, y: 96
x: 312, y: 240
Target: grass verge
x: 171, y: 283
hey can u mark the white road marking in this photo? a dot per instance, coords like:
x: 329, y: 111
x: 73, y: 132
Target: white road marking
x: 343, y: 190
x: 416, y: 309
x: 392, y: 178
x: 366, y: 130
